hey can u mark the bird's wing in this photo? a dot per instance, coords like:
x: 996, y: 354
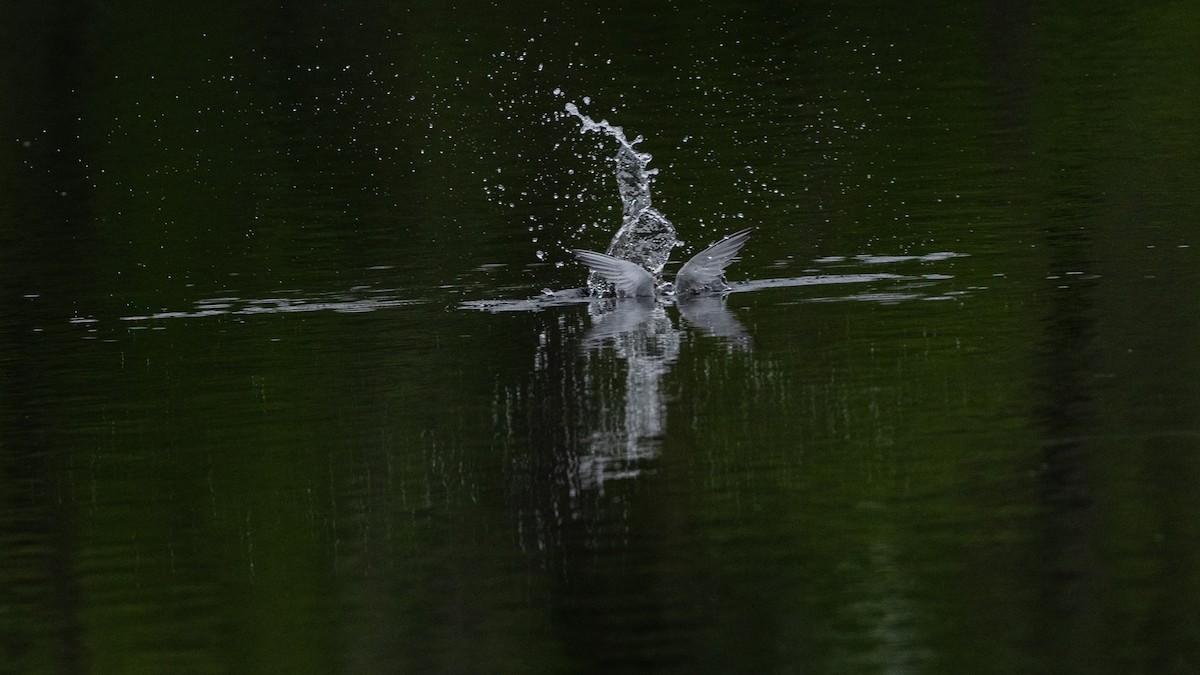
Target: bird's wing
x: 629, y: 278
x: 706, y: 268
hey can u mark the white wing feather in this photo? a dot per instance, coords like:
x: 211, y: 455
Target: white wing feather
x: 706, y: 269
x: 629, y: 278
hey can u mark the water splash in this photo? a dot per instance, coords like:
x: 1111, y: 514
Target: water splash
x: 646, y: 237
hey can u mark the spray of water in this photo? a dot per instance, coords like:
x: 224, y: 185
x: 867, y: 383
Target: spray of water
x: 645, y: 237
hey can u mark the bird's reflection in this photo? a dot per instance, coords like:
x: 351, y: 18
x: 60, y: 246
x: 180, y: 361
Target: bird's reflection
x: 592, y: 413
x: 640, y: 335
x: 621, y: 320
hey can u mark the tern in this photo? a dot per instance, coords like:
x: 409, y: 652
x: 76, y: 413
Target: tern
x: 704, y: 273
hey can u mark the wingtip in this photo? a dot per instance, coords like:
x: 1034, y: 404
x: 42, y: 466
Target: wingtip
x: 741, y: 235
x: 739, y: 238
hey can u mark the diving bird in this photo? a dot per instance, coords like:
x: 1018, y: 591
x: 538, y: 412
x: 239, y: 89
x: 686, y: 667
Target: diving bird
x: 703, y: 273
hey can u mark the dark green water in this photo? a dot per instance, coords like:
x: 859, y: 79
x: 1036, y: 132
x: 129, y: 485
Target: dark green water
x: 247, y: 423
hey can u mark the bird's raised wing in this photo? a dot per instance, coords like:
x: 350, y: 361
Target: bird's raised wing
x: 629, y: 278
x: 704, y: 271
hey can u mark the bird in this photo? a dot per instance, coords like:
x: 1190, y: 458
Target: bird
x: 703, y: 273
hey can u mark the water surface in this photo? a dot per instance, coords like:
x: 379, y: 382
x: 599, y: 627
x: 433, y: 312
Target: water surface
x: 280, y: 388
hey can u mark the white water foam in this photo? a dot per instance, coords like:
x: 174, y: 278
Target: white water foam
x: 645, y: 237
